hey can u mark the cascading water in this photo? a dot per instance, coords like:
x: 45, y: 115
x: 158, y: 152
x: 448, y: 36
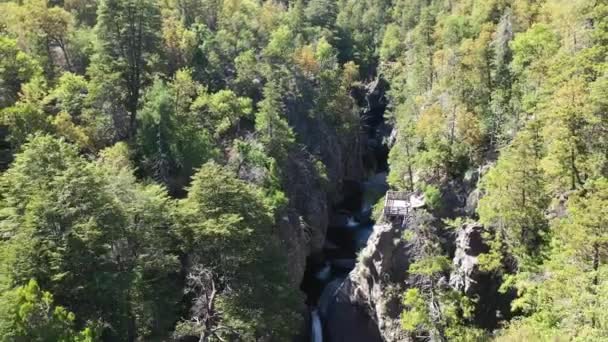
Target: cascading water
x: 316, y: 327
x: 351, y: 221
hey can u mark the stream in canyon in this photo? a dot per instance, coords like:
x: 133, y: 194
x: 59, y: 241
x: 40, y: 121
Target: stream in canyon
x: 351, y: 222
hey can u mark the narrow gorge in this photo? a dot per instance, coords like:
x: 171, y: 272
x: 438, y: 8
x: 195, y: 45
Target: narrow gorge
x: 354, y: 284
x: 350, y: 225
x: 303, y: 170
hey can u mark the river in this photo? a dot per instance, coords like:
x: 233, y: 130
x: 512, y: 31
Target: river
x: 351, y: 222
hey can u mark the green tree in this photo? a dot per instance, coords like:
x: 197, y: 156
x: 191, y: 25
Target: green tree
x: 515, y: 197
x: 29, y: 314
x: 22, y: 120
x: 565, y: 298
x: 222, y: 111
x: 361, y: 25
x: 275, y: 133
x: 179, y: 42
x: 65, y: 231
x: 248, y: 75
x: 532, y: 51
x: 568, y: 124
x: 433, y: 310
x: 129, y: 35
x: 16, y: 68
x: 70, y: 93
x: 84, y: 11
x: 41, y: 29
x: 475, y: 80
x: 281, y: 45
x: 438, y: 152
x: 401, y: 156
x: 423, y: 75
x: 321, y: 12
x: 27, y: 116
x: 149, y: 250
x: 227, y: 227
x: 107, y: 99
x: 172, y: 140
x: 392, y: 44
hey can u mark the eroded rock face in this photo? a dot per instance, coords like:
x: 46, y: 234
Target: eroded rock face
x: 367, y: 305
x: 341, y: 154
x: 347, y: 158
x: 469, y: 244
x: 346, y: 321
x: 304, y: 226
x: 467, y: 277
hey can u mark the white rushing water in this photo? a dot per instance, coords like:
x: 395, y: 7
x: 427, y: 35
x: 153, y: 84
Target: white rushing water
x: 317, y: 329
x: 351, y: 222
x: 324, y: 273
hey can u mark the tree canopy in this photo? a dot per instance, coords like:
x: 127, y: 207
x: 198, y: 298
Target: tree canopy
x: 167, y: 154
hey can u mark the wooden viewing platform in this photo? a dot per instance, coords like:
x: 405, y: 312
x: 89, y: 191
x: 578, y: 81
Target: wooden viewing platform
x: 397, y: 205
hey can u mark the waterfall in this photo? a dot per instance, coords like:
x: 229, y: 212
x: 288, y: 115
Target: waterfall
x: 324, y: 273
x: 351, y: 222
x: 316, y: 328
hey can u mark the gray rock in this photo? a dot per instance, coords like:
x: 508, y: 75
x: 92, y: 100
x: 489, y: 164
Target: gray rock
x: 417, y: 201
x: 328, y: 296
x: 367, y: 305
x: 469, y: 244
x: 472, y: 201
x: 491, y: 306
x: 349, y: 322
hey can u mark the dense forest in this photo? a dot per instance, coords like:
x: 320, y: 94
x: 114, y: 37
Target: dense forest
x: 166, y: 167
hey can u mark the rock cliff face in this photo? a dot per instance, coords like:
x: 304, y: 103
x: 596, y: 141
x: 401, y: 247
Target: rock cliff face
x: 304, y: 226
x: 466, y: 273
x: 367, y: 305
x: 347, y: 159
x: 468, y: 278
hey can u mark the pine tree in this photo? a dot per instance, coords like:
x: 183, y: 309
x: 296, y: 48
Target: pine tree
x: 515, y: 196
x: 128, y: 33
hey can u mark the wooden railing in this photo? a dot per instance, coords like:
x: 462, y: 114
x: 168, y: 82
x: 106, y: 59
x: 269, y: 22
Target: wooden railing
x: 396, y: 203
x: 398, y: 195
x: 395, y: 211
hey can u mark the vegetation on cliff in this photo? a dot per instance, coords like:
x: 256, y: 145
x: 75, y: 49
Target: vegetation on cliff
x: 149, y: 143
x: 148, y: 148
x: 515, y: 85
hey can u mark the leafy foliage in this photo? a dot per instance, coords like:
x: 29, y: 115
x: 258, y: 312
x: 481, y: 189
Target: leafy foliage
x: 29, y: 314
x: 227, y: 226
x: 152, y: 145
